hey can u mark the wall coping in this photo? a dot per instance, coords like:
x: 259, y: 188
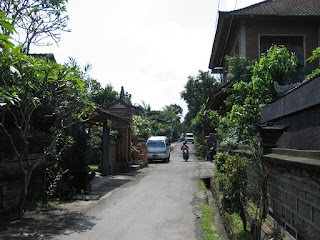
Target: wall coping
x: 309, y: 159
x: 301, y: 97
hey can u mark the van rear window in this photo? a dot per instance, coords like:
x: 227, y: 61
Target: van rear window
x: 156, y: 144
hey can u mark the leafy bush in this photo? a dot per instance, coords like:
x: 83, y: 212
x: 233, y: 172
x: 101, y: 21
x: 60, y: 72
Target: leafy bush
x: 199, y: 148
x: 220, y: 159
x: 314, y: 56
x: 233, y: 182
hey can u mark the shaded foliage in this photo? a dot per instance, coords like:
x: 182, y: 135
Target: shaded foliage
x: 196, y: 124
x: 239, y: 126
x: 37, y: 94
x: 163, y: 123
x: 197, y: 90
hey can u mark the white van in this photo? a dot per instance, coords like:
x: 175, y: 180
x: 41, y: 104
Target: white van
x: 158, y: 148
x: 189, y: 138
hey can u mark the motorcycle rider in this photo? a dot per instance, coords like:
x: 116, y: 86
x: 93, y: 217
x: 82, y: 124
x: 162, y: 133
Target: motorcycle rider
x: 184, y: 146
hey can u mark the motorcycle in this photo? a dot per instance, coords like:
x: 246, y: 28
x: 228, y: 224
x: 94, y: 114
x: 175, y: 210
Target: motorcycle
x: 185, y: 154
x: 211, y: 153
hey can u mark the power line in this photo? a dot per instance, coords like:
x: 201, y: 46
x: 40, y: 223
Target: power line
x: 170, y: 79
x: 156, y: 81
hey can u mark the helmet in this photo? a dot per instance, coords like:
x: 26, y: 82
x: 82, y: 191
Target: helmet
x: 184, y: 142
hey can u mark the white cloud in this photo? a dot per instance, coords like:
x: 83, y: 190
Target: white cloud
x: 149, y: 47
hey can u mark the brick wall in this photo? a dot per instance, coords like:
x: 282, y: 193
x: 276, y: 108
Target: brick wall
x: 256, y: 27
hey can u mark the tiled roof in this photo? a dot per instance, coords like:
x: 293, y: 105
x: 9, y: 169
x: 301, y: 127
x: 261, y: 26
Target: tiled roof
x: 48, y: 56
x: 293, y: 9
x: 282, y: 7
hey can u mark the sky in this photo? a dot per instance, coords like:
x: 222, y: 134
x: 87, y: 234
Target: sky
x: 149, y: 47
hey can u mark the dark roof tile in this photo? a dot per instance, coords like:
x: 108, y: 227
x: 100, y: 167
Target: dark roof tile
x: 48, y: 56
x: 281, y: 7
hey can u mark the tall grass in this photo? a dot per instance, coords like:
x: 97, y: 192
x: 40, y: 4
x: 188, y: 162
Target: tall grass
x: 209, y: 233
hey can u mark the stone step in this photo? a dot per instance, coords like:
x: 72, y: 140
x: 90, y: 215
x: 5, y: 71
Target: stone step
x: 134, y: 167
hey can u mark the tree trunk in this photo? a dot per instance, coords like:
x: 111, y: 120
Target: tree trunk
x: 243, y: 218
x: 261, y: 211
x: 24, y: 191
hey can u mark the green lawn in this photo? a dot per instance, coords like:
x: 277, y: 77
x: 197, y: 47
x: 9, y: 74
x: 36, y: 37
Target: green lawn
x: 94, y: 167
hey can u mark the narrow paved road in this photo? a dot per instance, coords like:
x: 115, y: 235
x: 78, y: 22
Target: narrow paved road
x: 163, y: 204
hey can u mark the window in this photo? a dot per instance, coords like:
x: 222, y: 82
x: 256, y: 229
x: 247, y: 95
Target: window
x: 156, y: 143
x: 237, y: 48
x: 292, y: 43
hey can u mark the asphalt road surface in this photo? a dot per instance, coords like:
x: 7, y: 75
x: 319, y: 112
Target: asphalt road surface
x: 162, y: 204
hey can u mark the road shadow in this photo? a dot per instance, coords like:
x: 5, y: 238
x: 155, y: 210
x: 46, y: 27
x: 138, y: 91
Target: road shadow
x: 111, y: 185
x: 46, y: 224
x: 102, y: 185
x: 66, y: 217
x: 158, y: 162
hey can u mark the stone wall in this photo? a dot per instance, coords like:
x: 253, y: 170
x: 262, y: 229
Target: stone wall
x: 293, y: 167
x: 300, y: 108
x: 253, y: 181
x: 293, y: 192
x: 295, y: 206
x: 11, y: 183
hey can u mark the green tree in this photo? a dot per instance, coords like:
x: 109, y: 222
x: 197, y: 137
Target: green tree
x: 29, y: 88
x: 141, y: 126
x: 98, y: 94
x: 104, y: 95
x: 196, y: 124
x: 240, y: 70
x: 197, y: 90
x: 35, y: 20
x: 164, y: 123
x: 314, y: 56
x: 5, y: 26
x: 146, y: 107
x: 172, y: 114
x: 161, y: 129
x: 274, y: 66
x: 240, y: 125
x: 143, y: 107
